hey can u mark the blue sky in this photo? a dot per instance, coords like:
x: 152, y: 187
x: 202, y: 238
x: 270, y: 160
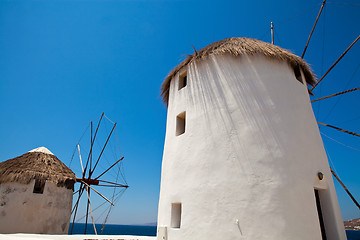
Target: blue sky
x: 63, y: 63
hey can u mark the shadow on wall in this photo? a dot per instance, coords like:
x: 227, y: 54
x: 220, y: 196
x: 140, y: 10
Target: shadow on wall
x: 240, y: 95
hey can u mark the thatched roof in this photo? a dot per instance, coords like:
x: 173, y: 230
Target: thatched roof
x: 238, y: 46
x: 39, y: 163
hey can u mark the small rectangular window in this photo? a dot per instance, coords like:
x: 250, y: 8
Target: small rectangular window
x: 182, y: 81
x: 180, y: 123
x: 39, y: 186
x: 175, y: 215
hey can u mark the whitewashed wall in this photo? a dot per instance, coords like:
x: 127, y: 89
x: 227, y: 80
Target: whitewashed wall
x: 22, y: 211
x: 246, y: 166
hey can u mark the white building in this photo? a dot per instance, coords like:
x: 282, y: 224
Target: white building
x: 243, y: 157
x: 36, y: 191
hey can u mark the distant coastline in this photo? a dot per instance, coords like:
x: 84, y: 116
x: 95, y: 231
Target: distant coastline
x: 353, y: 224
x: 153, y: 224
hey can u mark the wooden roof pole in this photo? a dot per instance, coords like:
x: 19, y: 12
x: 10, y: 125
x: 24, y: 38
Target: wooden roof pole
x: 272, y: 33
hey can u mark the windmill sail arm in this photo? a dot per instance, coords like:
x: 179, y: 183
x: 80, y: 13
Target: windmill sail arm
x: 338, y: 60
x: 92, y: 217
x: 115, y: 184
x: 92, y: 171
x: 312, y: 30
x: 109, y: 168
x: 336, y: 94
x: 98, y: 193
x: 92, y: 143
x: 339, y: 129
x: 345, y: 188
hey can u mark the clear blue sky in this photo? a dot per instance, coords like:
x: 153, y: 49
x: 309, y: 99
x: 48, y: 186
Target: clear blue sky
x: 63, y: 63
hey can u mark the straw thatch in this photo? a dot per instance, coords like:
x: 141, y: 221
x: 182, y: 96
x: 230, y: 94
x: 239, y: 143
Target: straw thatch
x: 36, y: 165
x: 238, y: 46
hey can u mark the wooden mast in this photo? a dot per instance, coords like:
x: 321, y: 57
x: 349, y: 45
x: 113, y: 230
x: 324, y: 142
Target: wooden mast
x: 272, y: 33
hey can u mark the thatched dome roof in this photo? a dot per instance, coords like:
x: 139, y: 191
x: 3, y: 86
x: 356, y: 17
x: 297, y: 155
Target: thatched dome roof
x: 39, y: 163
x: 238, y: 46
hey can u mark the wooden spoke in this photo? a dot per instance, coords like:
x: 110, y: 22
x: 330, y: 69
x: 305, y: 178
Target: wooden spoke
x: 312, y: 30
x: 109, y: 168
x: 98, y: 193
x: 82, y: 167
x: 81, y: 190
x: 347, y: 191
x: 92, y: 217
x: 116, y: 184
x: 80, y: 193
x: 103, y: 185
x: 336, y: 94
x: 92, y: 171
x: 87, y: 209
x: 335, y: 63
x: 339, y: 129
x: 92, y: 143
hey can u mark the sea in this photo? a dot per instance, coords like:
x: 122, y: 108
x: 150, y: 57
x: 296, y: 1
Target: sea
x: 353, y: 235
x: 112, y: 229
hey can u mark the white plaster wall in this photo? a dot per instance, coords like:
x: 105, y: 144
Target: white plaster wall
x: 22, y: 211
x: 246, y: 166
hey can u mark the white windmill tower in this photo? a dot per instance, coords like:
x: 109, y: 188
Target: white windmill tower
x: 243, y: 157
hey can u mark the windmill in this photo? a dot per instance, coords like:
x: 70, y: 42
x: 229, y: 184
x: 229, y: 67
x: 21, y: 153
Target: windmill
x: 213, y: 108
x: 95, y: 168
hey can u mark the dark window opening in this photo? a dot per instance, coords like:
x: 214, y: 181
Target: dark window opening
x: 175, y: 215
x: 182, y: 81
x: 321, y: 219
x: 39, y: 186
x: 180, y: 123
x: 297, y: 73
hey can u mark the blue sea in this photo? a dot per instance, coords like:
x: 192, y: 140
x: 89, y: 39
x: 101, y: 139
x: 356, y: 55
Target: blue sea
x: 353, y: 235
x: 112, y: 229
